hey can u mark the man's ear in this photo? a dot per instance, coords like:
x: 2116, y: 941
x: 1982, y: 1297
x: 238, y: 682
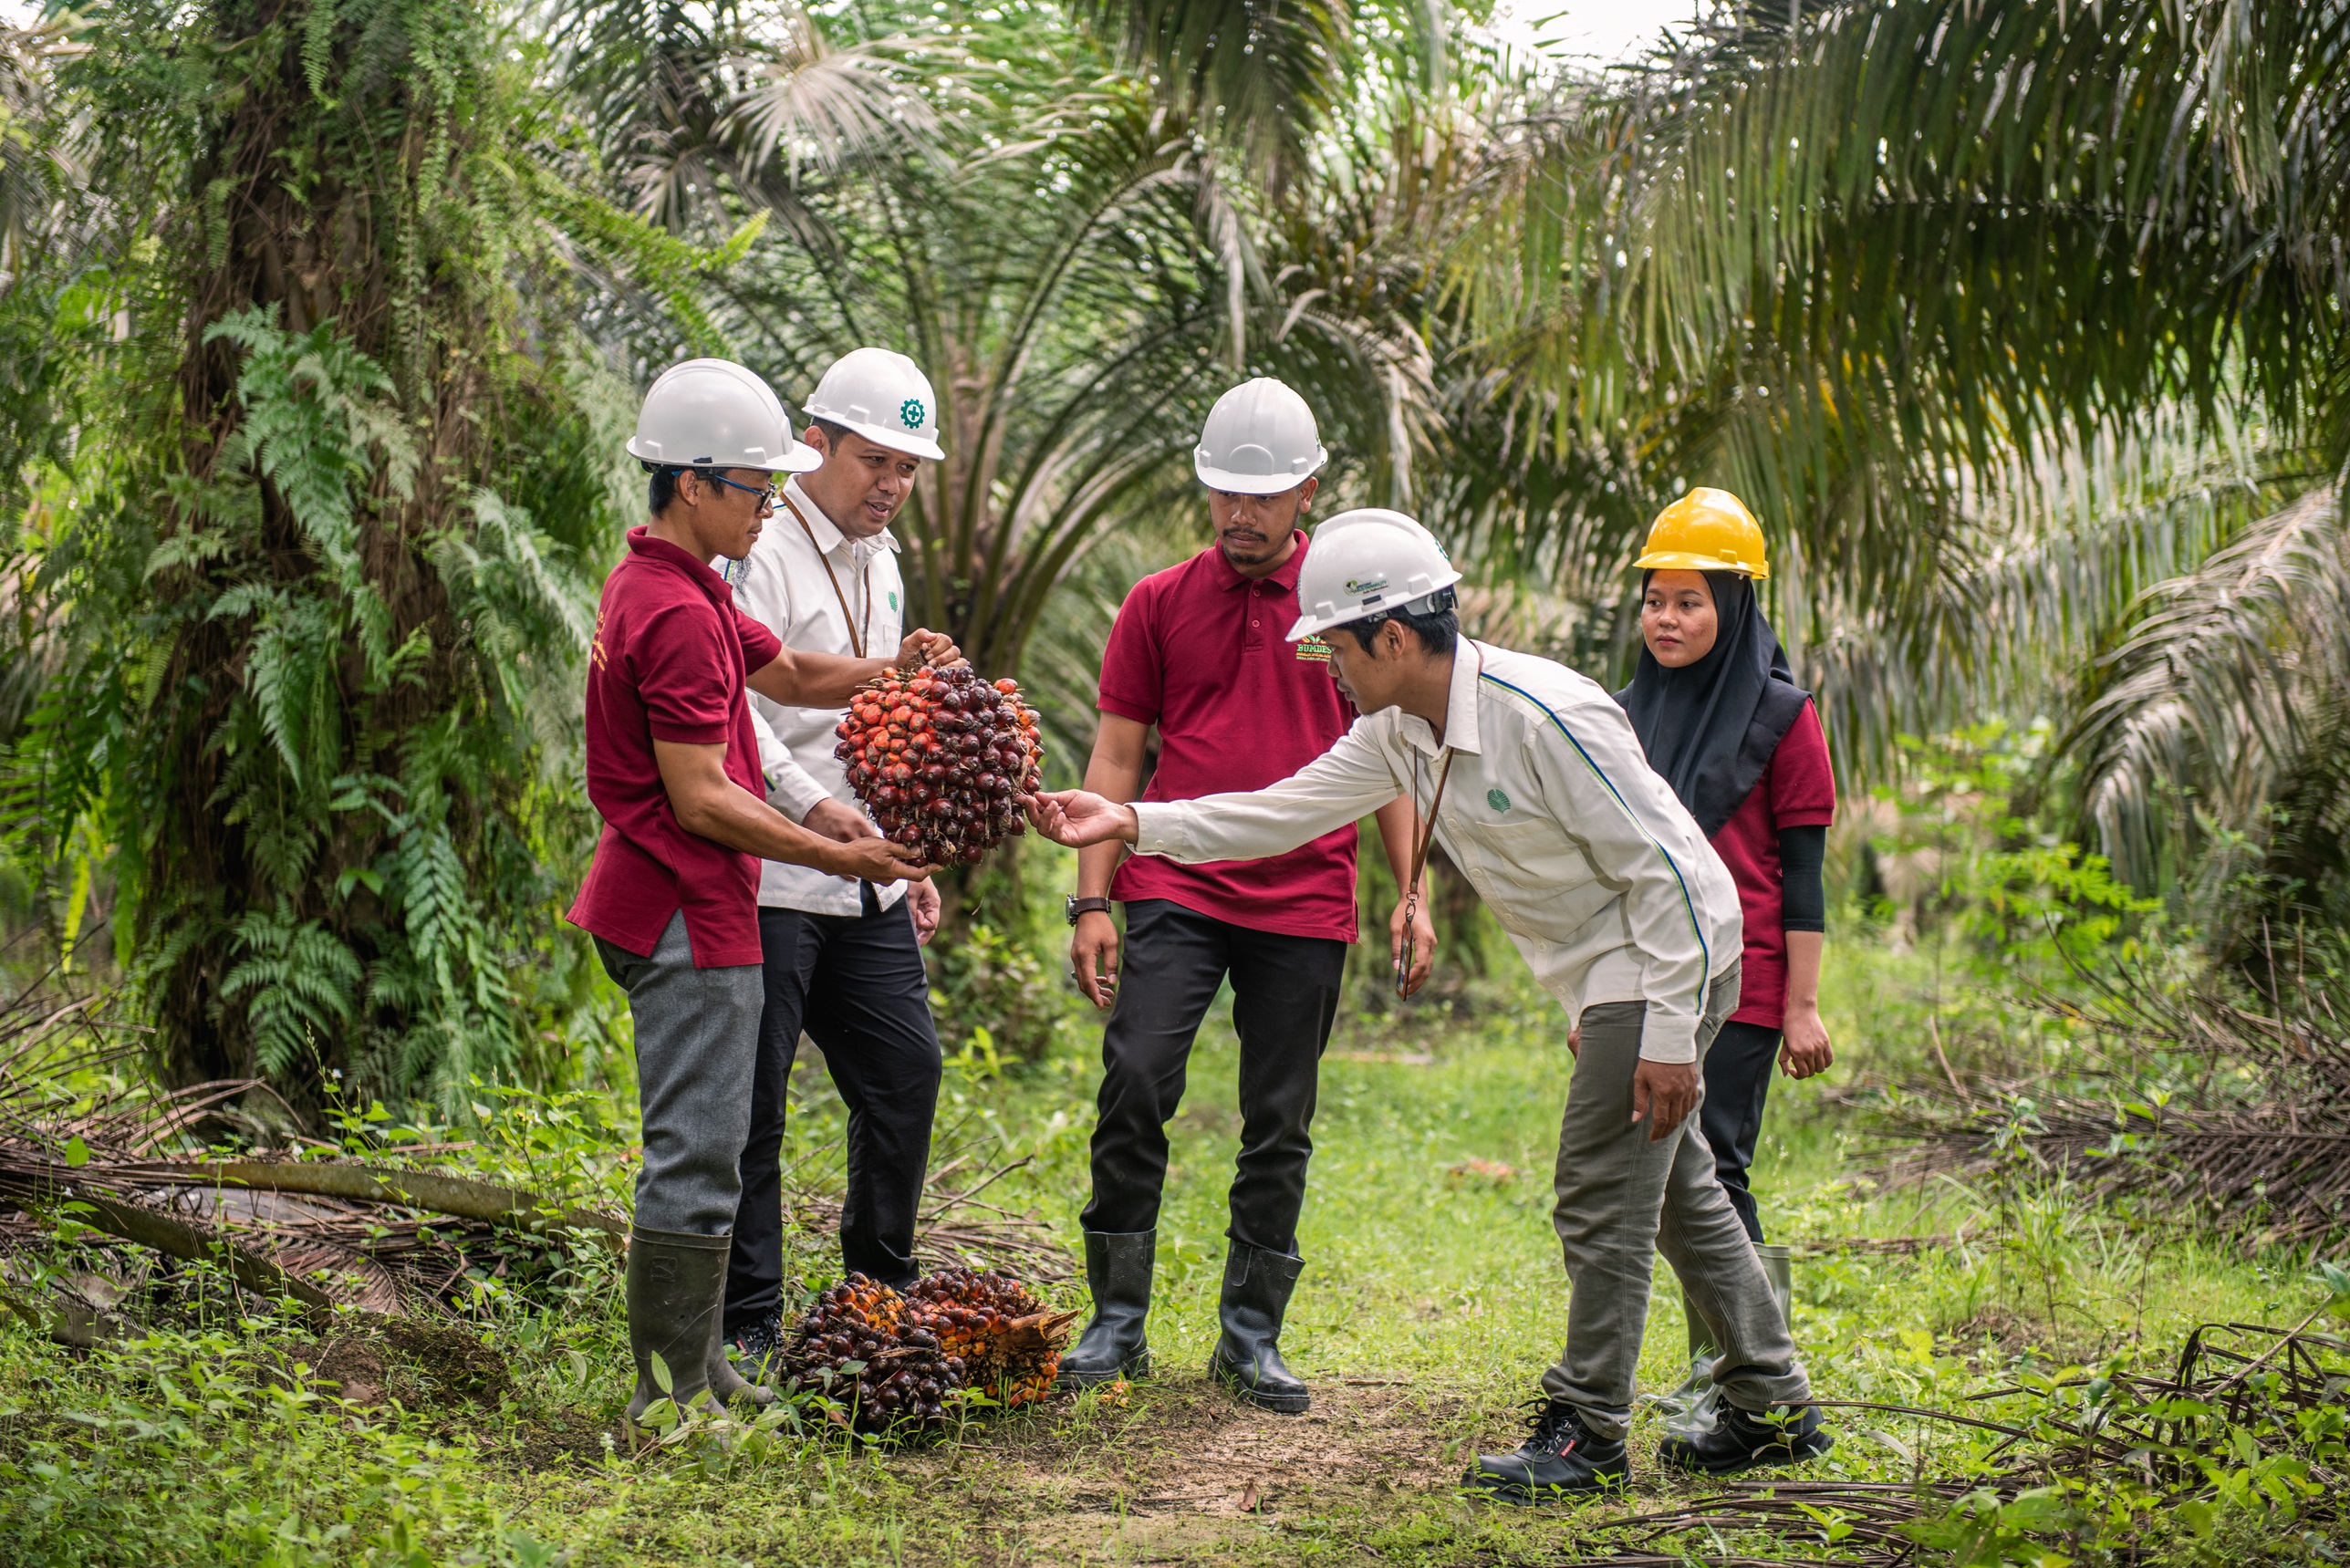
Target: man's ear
x: 816, y: 439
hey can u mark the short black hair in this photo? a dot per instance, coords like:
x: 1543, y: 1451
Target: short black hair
x: 832, y: 429
x: 662, y: 488
x: 1438, y: 630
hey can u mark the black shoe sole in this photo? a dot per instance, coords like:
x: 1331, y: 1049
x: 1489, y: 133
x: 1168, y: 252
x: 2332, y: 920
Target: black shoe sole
x: 1519, y: 1495
x: 1815, y: 1447
x: 1279, y: 1404
x: 1136, y: 1365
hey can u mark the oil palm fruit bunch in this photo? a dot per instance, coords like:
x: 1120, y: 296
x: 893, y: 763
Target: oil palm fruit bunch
x: 856, y: 1344
x: 940, y: 756
x: 897, y: 1362
x: 1007, y: 1341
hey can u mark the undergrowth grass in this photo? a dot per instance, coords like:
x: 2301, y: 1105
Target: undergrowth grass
x: 1433, y: 1297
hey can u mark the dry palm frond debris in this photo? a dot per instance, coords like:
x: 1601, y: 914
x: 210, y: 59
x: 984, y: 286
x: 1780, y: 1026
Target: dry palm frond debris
x: 85, y: 1142
x: 2110, y: 1465
x: 2199, y: 1106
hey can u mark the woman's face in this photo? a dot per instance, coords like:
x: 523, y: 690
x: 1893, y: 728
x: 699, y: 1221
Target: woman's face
x: 1677, y: 617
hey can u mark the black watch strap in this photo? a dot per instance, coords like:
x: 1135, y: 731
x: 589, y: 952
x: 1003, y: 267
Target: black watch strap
x: 1078, y: 906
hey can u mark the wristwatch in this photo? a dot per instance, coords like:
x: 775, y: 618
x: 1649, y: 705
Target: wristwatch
x: 1076, y: 905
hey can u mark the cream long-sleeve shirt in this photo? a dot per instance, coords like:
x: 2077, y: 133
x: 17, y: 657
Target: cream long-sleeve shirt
x: 1582, y: 852
x: 784, y: 587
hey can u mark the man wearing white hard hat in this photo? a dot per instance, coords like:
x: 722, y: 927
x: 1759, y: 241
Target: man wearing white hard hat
x: 671, y: 895
x: 1532, y: 779
x: 1197, y: 653
x: 842, y: 958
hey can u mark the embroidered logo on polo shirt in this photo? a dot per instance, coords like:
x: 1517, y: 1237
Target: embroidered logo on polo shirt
x: 893, y: 600
x: 1497, y: 800
x: 1313, y: 647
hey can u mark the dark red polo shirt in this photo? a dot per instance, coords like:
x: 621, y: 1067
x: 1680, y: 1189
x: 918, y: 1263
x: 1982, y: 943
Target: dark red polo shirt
x: 668, y: 664
x: 1797, y: 790
x: 1197, y: 649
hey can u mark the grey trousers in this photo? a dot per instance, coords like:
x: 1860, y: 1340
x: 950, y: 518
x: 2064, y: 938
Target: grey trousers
x: 697, y: 1044
x: 1621, y: 1200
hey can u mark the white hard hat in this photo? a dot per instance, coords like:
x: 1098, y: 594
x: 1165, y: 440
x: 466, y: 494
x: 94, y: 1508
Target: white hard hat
x: 1259, y: 439
x: 1370, y: 560
x: 883, y: 397
x: 713, y: 413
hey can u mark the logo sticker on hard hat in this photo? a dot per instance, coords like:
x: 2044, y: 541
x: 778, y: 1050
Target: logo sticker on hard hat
x: 909, y: 413
x: 1366, y: 585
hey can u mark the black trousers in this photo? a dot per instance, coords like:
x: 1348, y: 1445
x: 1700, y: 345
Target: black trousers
x: 1285, y: 1000
x: 1737, y: 1080
x: 856, y: 984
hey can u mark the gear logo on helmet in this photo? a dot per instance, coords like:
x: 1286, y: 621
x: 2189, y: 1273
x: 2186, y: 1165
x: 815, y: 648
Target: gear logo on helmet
x: 1260, y: 440
x: 884, y: 396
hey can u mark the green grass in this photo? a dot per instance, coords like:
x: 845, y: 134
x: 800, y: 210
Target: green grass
x: 1432, y: 1300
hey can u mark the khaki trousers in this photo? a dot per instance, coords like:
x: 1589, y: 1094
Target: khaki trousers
x: 1621, y: 1199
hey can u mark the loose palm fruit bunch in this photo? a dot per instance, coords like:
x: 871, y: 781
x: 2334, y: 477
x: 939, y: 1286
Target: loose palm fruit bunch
x: 938, y: 756
x: 1008, y: 1342
x: 897, y: 1362
x: 857, y: 1345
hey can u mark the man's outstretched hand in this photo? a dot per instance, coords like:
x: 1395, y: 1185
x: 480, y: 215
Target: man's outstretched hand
x: 1077, y: 818
x: 876, y: 859
x: 935, y: 649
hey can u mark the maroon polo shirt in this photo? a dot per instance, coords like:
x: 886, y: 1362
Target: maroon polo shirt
x: 1198, y: 651
x: 1796, y: 790
x: 668, y: 664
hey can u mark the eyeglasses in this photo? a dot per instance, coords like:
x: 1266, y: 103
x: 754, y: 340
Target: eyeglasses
x: 767, y: 496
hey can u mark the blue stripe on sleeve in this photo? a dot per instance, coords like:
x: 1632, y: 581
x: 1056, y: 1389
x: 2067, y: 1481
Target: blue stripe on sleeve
x: 1688, y: 904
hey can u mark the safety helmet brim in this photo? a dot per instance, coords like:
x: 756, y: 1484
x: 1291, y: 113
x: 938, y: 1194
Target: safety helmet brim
x: 912, y: 445
x: 1690, y: 561
x: 1256, y: 484
x: 1309, y: 625
x: 797, y: 458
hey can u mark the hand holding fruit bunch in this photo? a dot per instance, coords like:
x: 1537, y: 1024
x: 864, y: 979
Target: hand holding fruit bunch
x: 941, y: 757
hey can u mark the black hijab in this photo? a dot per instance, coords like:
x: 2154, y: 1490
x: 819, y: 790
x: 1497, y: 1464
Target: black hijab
x: 1709, y: 728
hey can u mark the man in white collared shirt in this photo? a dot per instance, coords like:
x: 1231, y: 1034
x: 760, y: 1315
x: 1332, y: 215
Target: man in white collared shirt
x: 842, y: 958
x: 1541, y: 793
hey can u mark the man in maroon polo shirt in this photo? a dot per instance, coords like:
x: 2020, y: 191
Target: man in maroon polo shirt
x: 1198, y: 651
x: 672, y: 897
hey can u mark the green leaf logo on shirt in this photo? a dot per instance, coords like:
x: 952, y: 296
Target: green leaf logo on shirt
x: 1497, y: 800
x: 893, y: 600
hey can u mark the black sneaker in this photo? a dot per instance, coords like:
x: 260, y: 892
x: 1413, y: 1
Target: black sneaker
x: 1558, y: 1460
x: 753, y: 1350
x: 1740, y: 1440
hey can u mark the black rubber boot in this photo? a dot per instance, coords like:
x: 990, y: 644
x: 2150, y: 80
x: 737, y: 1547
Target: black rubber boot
x: 676, y: 1289
x: 1117, y: 1268
x: 757, y: 1351
x: 1558, y: 1462
x: 1738, y: 1440
x: 1248, y: 1356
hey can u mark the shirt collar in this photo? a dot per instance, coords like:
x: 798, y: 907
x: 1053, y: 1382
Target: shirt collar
x: 1460, y: 705
x: 828, y: 536
x: 1284, y: 577
x: 645, y: 546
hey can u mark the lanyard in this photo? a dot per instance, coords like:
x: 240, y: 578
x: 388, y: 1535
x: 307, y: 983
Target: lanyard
x: 856, y: 637
x: 1423, y: 837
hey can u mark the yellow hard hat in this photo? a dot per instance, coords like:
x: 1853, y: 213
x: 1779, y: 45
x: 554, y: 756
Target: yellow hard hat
x: 1705, y: 531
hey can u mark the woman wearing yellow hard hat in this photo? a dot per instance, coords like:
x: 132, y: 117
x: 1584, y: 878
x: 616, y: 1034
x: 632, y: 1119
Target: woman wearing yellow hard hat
x: 1722, y: 721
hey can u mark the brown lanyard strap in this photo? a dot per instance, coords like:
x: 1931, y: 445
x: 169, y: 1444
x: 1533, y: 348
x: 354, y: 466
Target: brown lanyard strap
x: 1423, y: 838
x: 856, y: 637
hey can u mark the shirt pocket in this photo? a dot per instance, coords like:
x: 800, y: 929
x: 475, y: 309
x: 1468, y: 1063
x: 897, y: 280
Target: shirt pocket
x: 1525, y: 871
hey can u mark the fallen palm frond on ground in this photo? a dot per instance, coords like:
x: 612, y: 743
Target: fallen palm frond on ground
x: 90, y: 1147
x: 2197, y: 1107
x: 2249, y: 1431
